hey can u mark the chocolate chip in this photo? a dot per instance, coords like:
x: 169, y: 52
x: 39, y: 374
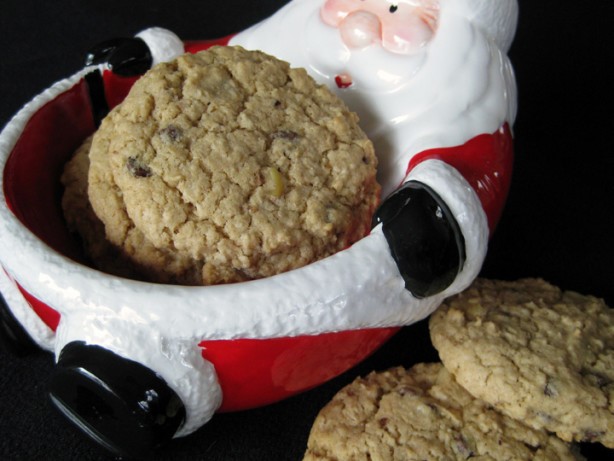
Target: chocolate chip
x: 595, y: 378
x: 463, y: 446
x: 137, y: 168
x: 592, y: 436
x: 434, y: 407
x: 406, y: 390
x: 285, y: 134
x: 549, y: 389
x: 544, y: 417
x: 171, y: 133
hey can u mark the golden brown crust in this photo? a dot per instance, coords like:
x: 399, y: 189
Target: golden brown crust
x: 420, y: 414
x: 538, y: 354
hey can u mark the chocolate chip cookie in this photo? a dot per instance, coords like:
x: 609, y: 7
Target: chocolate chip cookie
x: 136, y: 258
x: 536, y: 353
x: 421, y: 414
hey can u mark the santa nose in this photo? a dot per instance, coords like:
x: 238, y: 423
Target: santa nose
x: 360, y: 29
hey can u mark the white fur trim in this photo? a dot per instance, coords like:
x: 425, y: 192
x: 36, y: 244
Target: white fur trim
x: 163, y: 44
x: 465, y: 205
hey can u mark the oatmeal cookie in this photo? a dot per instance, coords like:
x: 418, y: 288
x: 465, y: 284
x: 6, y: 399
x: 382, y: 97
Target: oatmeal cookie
x: 534, y: 352
x: 79, y: 215
x: 137, y: 258
x: 236, y: 161
x: 420, y: 414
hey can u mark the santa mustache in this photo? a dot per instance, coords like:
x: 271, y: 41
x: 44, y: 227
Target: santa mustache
x: 365, y: 25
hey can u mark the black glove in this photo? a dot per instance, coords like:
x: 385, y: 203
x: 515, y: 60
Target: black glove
x: 124, y: 56
x: 424, y: 238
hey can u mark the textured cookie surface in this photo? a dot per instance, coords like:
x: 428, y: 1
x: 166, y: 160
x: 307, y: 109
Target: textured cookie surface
x: 536, y: 353
x: 137, y: 258
x: 233, y: 160
x: 421, y: 414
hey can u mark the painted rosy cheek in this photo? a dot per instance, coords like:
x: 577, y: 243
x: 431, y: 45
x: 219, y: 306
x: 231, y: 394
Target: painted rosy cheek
x: 360, y: 29
x: 402, y: 27
x: 406, y: 34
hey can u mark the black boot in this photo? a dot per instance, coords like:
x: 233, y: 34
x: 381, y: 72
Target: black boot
x: 119, y: 403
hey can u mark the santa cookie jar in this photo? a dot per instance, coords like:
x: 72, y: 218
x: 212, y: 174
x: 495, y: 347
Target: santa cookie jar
x: 435, y: 92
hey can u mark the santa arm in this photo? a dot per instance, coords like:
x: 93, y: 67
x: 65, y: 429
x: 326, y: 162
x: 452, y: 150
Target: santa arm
x: 438, y: 222
x: 121, y: 61
x: 485, y: 162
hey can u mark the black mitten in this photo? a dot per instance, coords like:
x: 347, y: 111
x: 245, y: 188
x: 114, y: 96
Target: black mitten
x: 424, y: 238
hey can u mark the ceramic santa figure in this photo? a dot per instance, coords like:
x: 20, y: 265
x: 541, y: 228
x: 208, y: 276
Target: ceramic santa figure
x: 435, y: 92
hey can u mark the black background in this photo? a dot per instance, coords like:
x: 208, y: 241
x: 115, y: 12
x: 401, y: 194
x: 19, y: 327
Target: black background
x: 557, y: 224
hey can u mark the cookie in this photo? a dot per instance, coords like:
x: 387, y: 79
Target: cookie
x: 534, y: 352
x: 420, y: 414
x: 79, y: 215
x: 137, y: 258
x: 234, y: 160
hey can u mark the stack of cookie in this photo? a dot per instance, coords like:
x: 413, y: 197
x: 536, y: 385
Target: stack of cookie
x: 526, y: 371
x: 218, y: 167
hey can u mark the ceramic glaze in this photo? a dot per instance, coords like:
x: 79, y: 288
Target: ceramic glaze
x: 400, y: 27
x: 438, y: 103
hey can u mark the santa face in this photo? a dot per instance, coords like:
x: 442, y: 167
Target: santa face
x: 353, y: 52
x: 401, y: 27
x: 375, y: 45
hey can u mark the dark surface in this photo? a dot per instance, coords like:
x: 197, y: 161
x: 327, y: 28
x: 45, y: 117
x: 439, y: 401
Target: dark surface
x: 557, y: 224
